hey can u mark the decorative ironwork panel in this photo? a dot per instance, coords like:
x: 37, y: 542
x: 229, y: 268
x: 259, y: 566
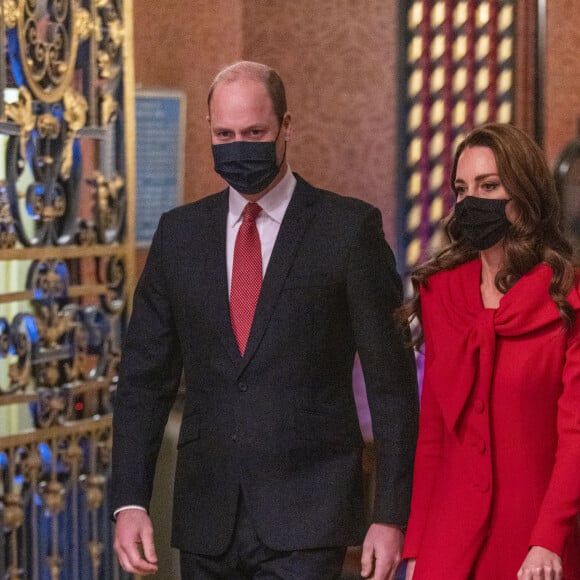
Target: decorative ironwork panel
x: 458, y: 70
x: 66, y: 264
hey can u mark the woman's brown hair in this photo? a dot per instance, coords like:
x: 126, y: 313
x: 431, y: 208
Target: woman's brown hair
x: 534, y: 237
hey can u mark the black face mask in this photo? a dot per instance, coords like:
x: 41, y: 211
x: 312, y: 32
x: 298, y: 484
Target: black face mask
x: 482, y: 221
x: 248, y: 166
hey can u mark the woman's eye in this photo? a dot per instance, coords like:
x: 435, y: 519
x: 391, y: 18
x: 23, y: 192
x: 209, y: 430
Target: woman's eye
x: 490, y: 186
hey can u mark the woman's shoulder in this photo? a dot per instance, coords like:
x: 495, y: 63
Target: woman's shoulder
x: 466, y: 271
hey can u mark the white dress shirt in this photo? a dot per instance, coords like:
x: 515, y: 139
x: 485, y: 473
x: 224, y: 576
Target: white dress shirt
x: 274, y: 205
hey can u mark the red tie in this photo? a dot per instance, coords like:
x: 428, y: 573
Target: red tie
x: 246, y: 275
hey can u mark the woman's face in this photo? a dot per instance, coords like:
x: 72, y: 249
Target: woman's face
x: 477, y: 176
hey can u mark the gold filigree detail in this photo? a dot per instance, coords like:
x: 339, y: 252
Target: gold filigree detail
x: 95, y: 484
x: 13, y: 511
x: 21, y: 113
x: 33, y: 465
x: 55, y: 565
x: 48, y: 126
x: 54, y: 497
x: 15, y: 573
x: 74, y: 454
x: 107, y: 197
x: 75, y: 114
x: 86, y: 235
x: 20, y: 374
x: 83, y: 23
x: 96, y: 550
x: 7, y: 233
x: 109, y: 108
x: 48, y: 45
x: 104, y: 65
x: 10, y: 13
x: 53, y: 323
x: 116, y: 32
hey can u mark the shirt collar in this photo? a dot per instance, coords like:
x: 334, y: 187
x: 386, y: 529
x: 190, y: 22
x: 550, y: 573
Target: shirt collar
x: 274, y: 203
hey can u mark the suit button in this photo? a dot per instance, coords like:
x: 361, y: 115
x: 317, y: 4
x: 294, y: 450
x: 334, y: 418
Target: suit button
x: 478, y: 406
x: 234, y: 437
x: 243, y: 386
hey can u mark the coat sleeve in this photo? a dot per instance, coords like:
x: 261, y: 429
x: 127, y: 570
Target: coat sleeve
x: 374, y: 292
x: 149, y: 375
x: 429, y: 447
x: 561, y: 504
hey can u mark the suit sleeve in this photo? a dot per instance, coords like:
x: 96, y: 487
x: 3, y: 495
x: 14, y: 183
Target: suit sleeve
x: 149, y: 375
x: 374, y: 292
x: 561, y: 505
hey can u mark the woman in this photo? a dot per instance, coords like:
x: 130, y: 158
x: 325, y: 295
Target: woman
x: 496, y: 491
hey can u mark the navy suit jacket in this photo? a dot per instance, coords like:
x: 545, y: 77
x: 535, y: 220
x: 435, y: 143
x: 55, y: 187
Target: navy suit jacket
x: 279, y: 423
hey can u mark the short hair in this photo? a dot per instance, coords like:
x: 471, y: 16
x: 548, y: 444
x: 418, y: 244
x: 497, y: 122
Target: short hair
x: 254, y: 71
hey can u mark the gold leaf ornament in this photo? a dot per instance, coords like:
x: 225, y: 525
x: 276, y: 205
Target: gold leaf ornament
x: 10, y: 13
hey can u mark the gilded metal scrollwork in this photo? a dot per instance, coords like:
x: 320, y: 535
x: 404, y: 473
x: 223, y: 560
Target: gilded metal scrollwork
x: 110, y: 40
x: 8, y: 236
x: 21, y: 113
x: 22, y: 337
x: 10, y: 13
x: 86, y: 234
x: 48, y: 46
x: 109, y: 109
x: 75, y: 115
x: 109, y: 206
x: 113, y: 274
x: 83, y: 23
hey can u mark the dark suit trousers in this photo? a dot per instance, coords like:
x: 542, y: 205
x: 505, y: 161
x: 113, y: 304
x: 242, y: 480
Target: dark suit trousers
x: 248, y: 558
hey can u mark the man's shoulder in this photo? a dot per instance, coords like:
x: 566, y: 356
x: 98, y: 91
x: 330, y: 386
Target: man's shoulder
x: 333, y: 201
x: 199, y: 207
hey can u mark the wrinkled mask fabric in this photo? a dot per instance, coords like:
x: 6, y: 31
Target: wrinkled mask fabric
x: 482, y: 221
x: 247, y: 166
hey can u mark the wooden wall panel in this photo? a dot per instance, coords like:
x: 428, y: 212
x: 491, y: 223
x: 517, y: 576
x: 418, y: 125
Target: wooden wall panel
x: 339, y: 61
x: 562, y: 74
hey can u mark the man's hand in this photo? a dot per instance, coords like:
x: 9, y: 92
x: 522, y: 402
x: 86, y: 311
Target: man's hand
x: 134, y: 542
x: 381, y: 552
x: 541, y: 564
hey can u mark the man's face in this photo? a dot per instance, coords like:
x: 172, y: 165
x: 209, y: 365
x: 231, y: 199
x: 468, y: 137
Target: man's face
x: 242, y: 111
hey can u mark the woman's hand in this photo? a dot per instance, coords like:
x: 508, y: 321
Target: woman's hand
x: 541, y: 564
x: 410, y: 568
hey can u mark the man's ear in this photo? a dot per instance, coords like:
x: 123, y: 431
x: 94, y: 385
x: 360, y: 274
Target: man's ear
x: 287, y: 126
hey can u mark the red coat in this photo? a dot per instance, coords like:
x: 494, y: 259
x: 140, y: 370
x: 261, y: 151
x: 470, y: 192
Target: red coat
x: 498, y: 459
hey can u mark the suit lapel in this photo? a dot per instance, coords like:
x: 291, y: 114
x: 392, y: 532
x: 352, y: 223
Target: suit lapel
x: 216, y: 267
x: 298, y: 215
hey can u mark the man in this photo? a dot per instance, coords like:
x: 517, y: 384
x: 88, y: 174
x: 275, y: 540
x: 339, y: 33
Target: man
x: 262, y: 294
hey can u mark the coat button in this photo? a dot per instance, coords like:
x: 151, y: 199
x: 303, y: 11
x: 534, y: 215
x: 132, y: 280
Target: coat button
x: 478, y: 406
x: 243, y: 386
x: 483, y: 485
x: 479, y: 446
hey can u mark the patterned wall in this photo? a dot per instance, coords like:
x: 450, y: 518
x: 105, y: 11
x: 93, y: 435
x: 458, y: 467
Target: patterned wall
x: 459, y: 73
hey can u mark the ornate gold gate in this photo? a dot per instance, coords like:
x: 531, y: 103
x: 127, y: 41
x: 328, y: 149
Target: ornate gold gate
x: 66, y: 264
